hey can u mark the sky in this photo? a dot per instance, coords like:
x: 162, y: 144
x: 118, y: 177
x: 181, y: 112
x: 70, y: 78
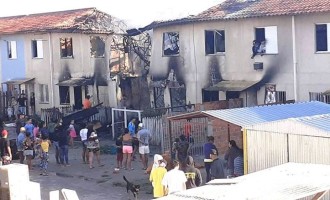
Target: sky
x: 136, y: 13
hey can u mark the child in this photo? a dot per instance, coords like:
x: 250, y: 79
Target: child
x: 28, y: 149
x: 156, y: 177
x: 72, y: 131
x: 44, y: 144
x: 119, y: 146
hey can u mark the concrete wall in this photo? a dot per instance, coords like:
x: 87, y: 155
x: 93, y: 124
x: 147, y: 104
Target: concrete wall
x: 193, y: 66
x: 51, y: 69
x: 12, y: 68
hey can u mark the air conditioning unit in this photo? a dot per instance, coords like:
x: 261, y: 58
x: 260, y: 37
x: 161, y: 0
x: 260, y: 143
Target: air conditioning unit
x: 258, y: 65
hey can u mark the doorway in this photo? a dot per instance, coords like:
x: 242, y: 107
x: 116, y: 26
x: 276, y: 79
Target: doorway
x: 77, y: 98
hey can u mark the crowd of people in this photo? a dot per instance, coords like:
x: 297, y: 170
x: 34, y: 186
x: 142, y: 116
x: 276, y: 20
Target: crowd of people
x: 171, y: 172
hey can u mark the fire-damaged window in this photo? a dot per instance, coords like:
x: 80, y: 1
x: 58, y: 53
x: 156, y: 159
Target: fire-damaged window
x: 159, y: 97
x: 322, y: 37
x: 171, y: 43
x: 97, y: 46
x: 66, y: 47
x: 12, y: 53
x: 280, y: 96
x: 266, y: 40
x: 64, y: 94
x: 37, y: 49
x: 319, y: 96
x: 214, y: 42
x: 178, y: 99
x: 209, y: 96
x: 44, y: 93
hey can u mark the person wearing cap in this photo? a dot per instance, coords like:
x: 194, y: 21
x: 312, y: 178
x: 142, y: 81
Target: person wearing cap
x: 144, y: 137
x: 217, y: 170
x: 208, y: 147
x: 20, y: 144
x: 157, y: 175
x: 5, y: 149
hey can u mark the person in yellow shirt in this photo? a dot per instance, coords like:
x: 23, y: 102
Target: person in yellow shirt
x: 156, y: 177
x: 44, y: 144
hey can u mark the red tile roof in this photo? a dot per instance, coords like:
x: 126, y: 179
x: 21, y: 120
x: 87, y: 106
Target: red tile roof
x: 235, y: 9
x: 87, y: 20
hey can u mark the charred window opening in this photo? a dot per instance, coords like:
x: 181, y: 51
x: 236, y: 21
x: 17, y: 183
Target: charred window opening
x: 12, y: 53
x: 97, y: 46
x: 321, y: 37
x: 159, y: 97
x: 232, y: 95
x: 178, y: 99
x: 209, y: 96
x: 319, y: 96
x: 37, y: 49
x: 214, y: 42
x: 64, y: 94
x: 265, y: 41
x: 280, y: 96
x: 44, y: 93
x: 66, y: 47
x: 171, y: 43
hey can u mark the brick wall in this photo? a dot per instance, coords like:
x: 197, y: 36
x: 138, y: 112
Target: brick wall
x: 217, y: 105
x: 220, y: 133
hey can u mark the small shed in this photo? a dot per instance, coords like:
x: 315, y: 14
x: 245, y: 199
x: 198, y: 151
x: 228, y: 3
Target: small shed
x: 228, y: 124
x: 302, y: 140
x: 287, y: 181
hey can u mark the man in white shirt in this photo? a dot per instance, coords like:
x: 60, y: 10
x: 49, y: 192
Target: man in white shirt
x: 83, y: 136
x: 174, y: 180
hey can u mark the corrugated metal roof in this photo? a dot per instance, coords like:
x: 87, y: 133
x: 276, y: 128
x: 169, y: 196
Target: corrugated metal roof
x: 287, y: 181
x: 255, y: 115
x: 319, y: 121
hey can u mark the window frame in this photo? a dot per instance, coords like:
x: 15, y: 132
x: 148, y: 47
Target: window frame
x: 12, y: 49
x: 327, y: 37
x: 215, y: 52
x: 270, y: 41
x: 94, y: 54
x: 177, y: 43
x: 38, y: 45
x: 67, y: 40
x: 67, y: 98
x: 44, y: 93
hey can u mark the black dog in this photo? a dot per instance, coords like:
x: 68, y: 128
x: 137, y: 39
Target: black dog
x: 133, y: 188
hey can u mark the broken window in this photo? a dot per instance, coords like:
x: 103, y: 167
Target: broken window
x: 232, y: 95
x: 322, y: 37
x: 171, y: 43
x: 214, y: 42
x: 64, y: 94
x: 209, y: 96
x: 37, y: 49
x: 280, y: 96
x: 44, y: 93
x: 12, y: 53
x: 265, y: 40
x: 178, y: 99
x: 66, y: 47
x: 159, y: 97
x: 97, y: 46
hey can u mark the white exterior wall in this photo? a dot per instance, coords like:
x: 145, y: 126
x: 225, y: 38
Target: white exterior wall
x: 51, y: 68
x: 236, y: 64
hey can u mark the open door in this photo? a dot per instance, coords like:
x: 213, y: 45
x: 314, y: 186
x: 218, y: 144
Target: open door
x: 77, y: 98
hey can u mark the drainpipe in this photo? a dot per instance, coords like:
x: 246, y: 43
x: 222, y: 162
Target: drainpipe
x: 51, y: 67
x: 195, y: 62
x: 294, y: 58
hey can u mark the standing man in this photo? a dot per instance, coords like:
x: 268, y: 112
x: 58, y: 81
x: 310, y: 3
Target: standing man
x: 144, y: 137
x: 33, y: 103
x: 20, y: 144
x: 174, y: 180
x: 193, y: 175
x: 208, y: 147
x: 218, y: 166
x: 132, y: 130
x: 22, y: 103
x: 20, y: 122
x: 183, y: 148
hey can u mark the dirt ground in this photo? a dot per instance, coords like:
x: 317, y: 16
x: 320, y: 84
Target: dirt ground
x: 100, y: 183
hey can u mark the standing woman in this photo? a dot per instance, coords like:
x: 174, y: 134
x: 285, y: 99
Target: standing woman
x: 127, y: 149
x: 93, y: 146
